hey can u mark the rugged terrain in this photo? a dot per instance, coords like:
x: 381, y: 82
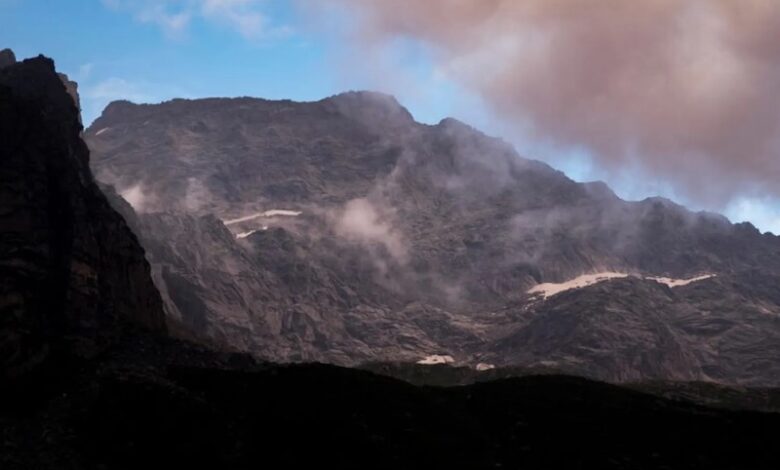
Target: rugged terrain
x: 91, y: 379
x: 344, y: 231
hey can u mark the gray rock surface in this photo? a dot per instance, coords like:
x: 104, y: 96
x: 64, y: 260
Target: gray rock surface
x: 414, y: 240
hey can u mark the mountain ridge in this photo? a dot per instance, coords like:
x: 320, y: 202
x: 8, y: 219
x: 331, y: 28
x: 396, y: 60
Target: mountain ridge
x: 597, y: 186
x: 416, y: 239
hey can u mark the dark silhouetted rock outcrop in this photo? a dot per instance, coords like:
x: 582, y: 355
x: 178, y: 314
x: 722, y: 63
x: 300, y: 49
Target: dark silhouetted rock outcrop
x: 70, y: 268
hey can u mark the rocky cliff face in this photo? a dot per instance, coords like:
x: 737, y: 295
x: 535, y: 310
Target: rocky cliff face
x: 71, y: 271
x: 342, y: 230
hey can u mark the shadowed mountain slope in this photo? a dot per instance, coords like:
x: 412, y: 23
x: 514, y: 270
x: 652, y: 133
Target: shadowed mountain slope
x: 342, y: 230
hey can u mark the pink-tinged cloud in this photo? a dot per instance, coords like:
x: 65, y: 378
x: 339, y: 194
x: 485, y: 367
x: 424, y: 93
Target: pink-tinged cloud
x: 687, y: 90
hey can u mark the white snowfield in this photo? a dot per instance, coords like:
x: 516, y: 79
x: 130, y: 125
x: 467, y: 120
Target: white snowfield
x: 482, y: 366
x: 436, y: 359
x: 102, y: 130
x: 679, y: 282
x: 246, y: 234
x: 548, y: 289
x: 271, y: 213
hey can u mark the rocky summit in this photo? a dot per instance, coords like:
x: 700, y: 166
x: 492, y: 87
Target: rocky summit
x: 344, y: 231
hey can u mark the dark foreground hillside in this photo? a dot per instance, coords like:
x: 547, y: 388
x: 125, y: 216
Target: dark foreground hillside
x: 154, y: 402
x: 709, y: 394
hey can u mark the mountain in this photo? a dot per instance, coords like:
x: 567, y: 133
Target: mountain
x: 92, y: 379
x: 344, y: 231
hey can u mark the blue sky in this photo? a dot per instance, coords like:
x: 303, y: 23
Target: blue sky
x: 114, y: 52
x: 115, y: 49
x: 150, y: 51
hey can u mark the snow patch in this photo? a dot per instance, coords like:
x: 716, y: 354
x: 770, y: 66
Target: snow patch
x: 680, y: 282
x: 246, y: 234
x: 102, y: 131
x: 269, y: 213
x: 548, y: 289
x: 482, y: 366
x: 283, y: 212
x: 436, y: 359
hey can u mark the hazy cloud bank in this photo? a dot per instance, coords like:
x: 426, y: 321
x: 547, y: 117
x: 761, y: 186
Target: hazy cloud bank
x: 687, y: 91
x: 361, y: 220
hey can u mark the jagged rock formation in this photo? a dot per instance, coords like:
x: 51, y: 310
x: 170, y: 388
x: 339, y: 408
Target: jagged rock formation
x: 70, y: 268
x: 73, y: 90
x: 7, y: 57
x: 342, y: 230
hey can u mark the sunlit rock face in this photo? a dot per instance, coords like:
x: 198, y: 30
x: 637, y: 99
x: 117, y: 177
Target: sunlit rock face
x: 344, y: 231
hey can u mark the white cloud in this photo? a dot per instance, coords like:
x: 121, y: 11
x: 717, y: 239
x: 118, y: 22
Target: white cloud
x: 360, y: 220
x: 173, y: 24
x: 117, y: 88
x: 172, y: 17
x: 239, y: 14
x: 247, y: 17
x: 85, y: 70
x: 136, y: 197
x: 96, y: 96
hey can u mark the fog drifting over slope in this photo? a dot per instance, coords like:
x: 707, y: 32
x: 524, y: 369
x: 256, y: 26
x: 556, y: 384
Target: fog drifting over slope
x: 687, y: 92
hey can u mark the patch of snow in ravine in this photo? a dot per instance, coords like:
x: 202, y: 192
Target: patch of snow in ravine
x: 680, y: 282
x: 436, y: 359
x: 284, y: 212
x: 270, y: 213
x: 102, y: 130
x: 548, y: 289
x: 246, y: 234
x: 482, y: 366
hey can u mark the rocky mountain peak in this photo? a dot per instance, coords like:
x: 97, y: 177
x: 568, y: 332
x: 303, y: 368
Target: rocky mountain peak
x: 600, y: 190
x: 452, y: 123
x: 373, y: 108
x: 7, y: 57
x: 345, y: 231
